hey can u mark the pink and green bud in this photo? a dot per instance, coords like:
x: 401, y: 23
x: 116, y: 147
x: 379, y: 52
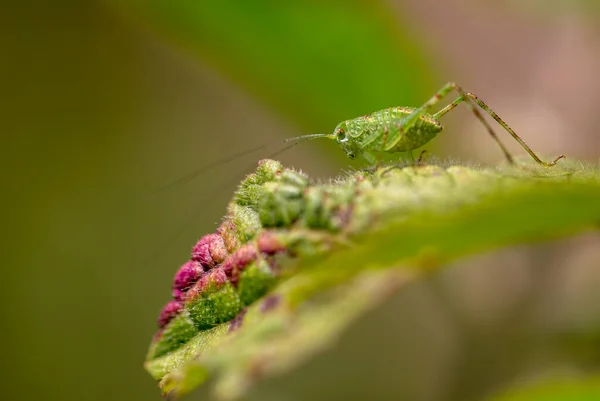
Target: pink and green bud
x: 178, y: 295
x: 174, y: 334
x: 218, y: 250
x: 213, y: 279
x: 209, y: 250
x: 186, y: 277
x: 169, y: 311
x: 269, y: 244
x: 236, y: 262
x: 213, y: 300
x: 228, y: 231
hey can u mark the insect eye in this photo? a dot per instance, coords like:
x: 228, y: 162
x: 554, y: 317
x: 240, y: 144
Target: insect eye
x: 341, y: 135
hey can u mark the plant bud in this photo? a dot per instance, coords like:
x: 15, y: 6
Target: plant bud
x: 202, y: 250
x: 186, y: 276
x: 167, y: 314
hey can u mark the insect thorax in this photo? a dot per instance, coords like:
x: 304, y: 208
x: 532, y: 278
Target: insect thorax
x: 378, y: 130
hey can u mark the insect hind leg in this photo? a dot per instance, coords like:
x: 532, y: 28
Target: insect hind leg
x: 463, y: 97
x: 471, y: 100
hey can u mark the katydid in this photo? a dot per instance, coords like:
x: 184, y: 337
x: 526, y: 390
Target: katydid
x: 403, y: 129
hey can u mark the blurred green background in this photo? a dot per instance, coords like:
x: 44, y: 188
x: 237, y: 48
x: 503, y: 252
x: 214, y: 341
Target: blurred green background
x: 105, y: 101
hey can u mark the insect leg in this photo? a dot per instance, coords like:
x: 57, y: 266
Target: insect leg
x: 496, y: 117
x: 418, y: 162
x: 442, y: 93
x: 464, y: 98
x: 421, y: 158
x: 448, y: 108
x: 470, y: 99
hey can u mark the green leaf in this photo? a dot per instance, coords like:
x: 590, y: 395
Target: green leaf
x: 399, y: 225
x: 317, y: 63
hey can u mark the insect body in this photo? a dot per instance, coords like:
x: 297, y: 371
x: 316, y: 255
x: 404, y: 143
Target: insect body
x: 403, y: 129
x: 384, y: 131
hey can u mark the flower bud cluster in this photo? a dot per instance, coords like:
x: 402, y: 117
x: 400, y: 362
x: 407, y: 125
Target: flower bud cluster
x: 234, y: 266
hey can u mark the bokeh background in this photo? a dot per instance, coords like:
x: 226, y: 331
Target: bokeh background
x: 106, y: 104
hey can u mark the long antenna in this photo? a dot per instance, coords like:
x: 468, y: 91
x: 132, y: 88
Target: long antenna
x: 191, y: 218
x: 303, y: 138
x: 194, y: 173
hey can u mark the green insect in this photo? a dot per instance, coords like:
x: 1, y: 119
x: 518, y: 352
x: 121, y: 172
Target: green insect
x: 403, y: 129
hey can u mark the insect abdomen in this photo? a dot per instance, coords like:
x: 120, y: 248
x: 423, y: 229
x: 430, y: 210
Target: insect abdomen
x: 376, y: 131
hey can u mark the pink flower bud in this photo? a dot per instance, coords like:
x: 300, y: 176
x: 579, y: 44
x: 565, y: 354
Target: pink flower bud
x: 186, y: 276
x: 227, y: 230
x: 209, y: 250
x: 215, y: 278
x: 237, y: 261
x: 168, y: 313
x: 269, y: 244
x: 217, y: 250
x: 178, y: 295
